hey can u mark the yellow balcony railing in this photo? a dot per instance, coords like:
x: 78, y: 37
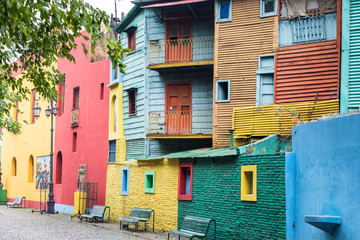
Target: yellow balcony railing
x: 180, y: 122
x: 181, y: 50
x: 278, y: 118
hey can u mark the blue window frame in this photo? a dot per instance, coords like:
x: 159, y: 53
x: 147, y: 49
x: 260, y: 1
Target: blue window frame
x: 222, y: 90
x: 125, y: 180
x: 265, y: 80
x: 223, y: 10
x: 115, y: 75
x: 112, y: 151
x: 268, y: 8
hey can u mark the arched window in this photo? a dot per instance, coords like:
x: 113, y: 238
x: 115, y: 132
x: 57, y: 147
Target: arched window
x: 58, y: 179
x: 13, y: 167
x: 113, y: 114
x: 31, y: 169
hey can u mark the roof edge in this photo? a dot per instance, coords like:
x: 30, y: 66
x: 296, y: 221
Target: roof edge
x: 131, y: 14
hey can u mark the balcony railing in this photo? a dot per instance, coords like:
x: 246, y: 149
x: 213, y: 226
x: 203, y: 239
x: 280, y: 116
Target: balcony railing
x: 181, y: 50
x: 180, y: 122
x: 75, y: 117
x: 278, y: 118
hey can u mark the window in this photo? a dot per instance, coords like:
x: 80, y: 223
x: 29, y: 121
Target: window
x: 248, y: 183
x: 185, y: 181
x: 150, y: 181
x: 222, y: 91
x: 74, y: 146
x: 61, y: 98
x: 223, y: 10
x: 58, y: 179
x: 31, y: 169
x: 13, y: 167
x: 113, y: 112
x: 131, y: 34
x: 265, y: 80
x: 101, y: 91
x: 268, y: 8
x: 125, y: 181
x: 15, y: 113
x: 132, y: 101
x: 32, y: 105
x: 76, y: 98
x: 112, y: 151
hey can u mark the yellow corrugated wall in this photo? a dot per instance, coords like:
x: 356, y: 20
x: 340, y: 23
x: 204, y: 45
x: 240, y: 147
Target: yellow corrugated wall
x: 278, y: 118
x: 237, y: 46
x: 163, y: 201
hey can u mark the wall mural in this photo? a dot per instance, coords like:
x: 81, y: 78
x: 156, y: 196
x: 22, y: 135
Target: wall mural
x: 42, y: 172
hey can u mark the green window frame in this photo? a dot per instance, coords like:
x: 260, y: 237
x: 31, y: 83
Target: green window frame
x: 149, y: 181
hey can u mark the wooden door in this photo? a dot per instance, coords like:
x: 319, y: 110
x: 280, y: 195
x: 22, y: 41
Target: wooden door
x: 179, y: 42
x: 178, y: 108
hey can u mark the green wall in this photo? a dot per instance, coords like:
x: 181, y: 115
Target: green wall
x: 216, y: 194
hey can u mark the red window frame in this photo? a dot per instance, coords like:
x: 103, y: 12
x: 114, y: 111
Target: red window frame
x: 76, y: 98
x: 102, y: 89
x: 74, y: 143
x: 132, y: 101
x: 182, y: 181
x: 131, y: 35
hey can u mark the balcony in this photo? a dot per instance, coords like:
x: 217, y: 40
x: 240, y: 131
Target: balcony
x: 75, y: 117
x: 181, y: 52
x: 278, y: 118
x: 180, y: 124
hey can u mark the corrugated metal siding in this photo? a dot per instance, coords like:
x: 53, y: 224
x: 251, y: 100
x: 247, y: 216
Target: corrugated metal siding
x: 304, y: 70
x: 165, y: 146
x: 135, y: 149
x: 135, y: 77
x: 278, y: 118
x: 354, y: 55
x: 237, y: 47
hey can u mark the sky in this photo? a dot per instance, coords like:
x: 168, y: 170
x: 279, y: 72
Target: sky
x: 109, y: 6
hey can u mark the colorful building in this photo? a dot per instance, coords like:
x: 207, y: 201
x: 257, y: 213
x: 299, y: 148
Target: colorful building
x: 274, y: 52
x: 81, y: 139
x: 25, y: 157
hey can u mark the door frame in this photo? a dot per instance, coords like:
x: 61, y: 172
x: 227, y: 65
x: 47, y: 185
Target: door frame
x: 167, y: 84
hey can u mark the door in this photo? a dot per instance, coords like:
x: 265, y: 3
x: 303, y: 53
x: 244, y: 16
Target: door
x: 178, y: 44
x: 178, y: 108
x: 267, y: 89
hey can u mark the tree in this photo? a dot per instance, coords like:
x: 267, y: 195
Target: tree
x: 33, y: 35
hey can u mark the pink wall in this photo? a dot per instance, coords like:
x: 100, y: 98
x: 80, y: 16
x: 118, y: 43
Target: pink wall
x: 92, y: 131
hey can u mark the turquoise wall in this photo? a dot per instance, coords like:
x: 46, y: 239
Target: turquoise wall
x: 216, y: 194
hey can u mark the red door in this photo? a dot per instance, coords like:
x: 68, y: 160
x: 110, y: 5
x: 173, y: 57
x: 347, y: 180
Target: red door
x: 178, y: 36
x: 178, y: 108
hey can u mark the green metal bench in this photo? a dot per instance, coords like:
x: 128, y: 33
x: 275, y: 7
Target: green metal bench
x: 97, y: 213
x: 17, y: 201
x: 138, y: 215
x: 194, y: 227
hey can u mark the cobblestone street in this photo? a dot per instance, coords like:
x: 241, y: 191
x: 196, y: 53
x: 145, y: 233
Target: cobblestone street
x: 20, y: 223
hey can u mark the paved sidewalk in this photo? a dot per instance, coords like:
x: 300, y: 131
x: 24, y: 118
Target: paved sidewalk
x: 19, y: 223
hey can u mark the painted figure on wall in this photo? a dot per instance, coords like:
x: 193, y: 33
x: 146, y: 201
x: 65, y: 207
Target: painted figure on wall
x: 42, y: 172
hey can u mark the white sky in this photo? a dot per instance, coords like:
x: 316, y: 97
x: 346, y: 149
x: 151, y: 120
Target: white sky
x: 109, y: 6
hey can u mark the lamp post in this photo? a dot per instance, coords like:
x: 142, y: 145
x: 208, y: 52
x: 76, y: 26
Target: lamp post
x: 49, y: 111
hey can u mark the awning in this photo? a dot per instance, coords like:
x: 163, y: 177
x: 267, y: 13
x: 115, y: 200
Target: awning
x: 198, y: 153
x: 165, y: 4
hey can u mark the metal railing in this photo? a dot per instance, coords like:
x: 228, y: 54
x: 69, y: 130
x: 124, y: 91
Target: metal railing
x: 180, y: 122
x: 181, y: 50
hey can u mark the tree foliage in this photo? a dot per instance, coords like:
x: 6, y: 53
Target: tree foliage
x: 33, y: 35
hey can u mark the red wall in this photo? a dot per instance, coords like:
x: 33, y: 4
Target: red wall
x: 92, y: 131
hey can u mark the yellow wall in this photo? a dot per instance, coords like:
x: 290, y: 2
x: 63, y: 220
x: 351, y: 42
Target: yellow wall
x: 33, y: 141
x: 116, y: 91
x: 163, y: 201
